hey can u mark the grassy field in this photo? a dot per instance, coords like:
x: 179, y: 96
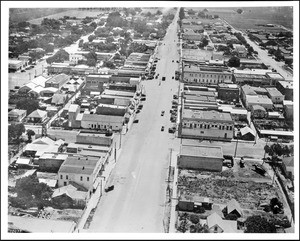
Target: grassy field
x: 256, y: 15
x: 70, y: 13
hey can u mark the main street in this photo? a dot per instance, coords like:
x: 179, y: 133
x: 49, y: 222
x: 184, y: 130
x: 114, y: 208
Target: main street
x: 137, y: 202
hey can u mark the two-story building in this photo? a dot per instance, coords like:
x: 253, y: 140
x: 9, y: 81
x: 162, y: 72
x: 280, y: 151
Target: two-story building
x: 206, y: 75
x: 228, y: 92
x: 57, y: 81
x: 82, y: 170
x: 206, y: 125
x: 16, y: 115
x: 275, y: 95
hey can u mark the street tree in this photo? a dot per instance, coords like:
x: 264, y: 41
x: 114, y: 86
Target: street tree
x: 15, y: 131
x: 27, y: 104
x: 181, y: 13
x: 234, y: 62
x: 258, y: 224
x: 30, y: 133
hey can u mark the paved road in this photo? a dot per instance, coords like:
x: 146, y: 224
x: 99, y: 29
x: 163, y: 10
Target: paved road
x: 137, y: 202
x: 263, y: 56
x: 21, y: 78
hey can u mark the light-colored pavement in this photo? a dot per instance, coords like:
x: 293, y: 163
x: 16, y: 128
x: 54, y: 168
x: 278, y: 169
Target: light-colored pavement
x: 21, y: 78
x: 137, y: 202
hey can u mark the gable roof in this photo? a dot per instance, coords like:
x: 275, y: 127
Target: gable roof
x: 38, y: 114
x: 213, y: 219
x: 228, y: 226
x: 247, y: 130
x: 58, y: 99
x: 45, y: 140
x: 234, y: 205
x: 16, y: 112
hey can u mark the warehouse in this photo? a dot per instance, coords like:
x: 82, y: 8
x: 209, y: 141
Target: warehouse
x: 207, y: 158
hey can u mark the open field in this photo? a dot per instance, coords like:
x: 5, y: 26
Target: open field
x: 256, y: 15
x: 70, y: 13
x: 26, y: 14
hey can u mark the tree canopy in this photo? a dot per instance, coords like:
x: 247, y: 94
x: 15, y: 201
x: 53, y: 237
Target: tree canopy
x: 15, y: 131
x: 59, y: 57
x: 234, y: 62
x: 258, y: 224
x: 27, y: 104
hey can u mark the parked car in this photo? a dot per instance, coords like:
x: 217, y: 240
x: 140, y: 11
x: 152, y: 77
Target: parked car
x: 162, y: 128
x: 172, y: 129
x: 175, y: 97
x: 143, y: 98
x: 162, y: 113
x: 23, y: 70
x: 163, y: 78
x: 110, y: 188
x: 136, y: 121
x: 138, y: 111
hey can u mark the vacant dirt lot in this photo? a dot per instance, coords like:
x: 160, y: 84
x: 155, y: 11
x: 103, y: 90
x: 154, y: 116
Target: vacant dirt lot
x: 223, y: 186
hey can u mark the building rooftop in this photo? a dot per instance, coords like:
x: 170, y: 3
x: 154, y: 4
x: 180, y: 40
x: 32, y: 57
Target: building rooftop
x: 73, y: 108
x: 58, y: 78
x: 229, y: 86
x: 258, y: 99
x: 273, y: 92
x: 38, y: 114
x: 104, y: 118
x: 202, y: 151
x: 206, y: 115
x: 78, y: 164
x: 274, y: 75
x: 16, y: 112
x: 286, y: 84
x: 249, y: 75
x: 57, y: 156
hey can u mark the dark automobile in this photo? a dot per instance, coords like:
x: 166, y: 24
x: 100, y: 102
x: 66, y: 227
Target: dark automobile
x: 136, y: 121
x: 110, y: 188
x: 162, y: 128
x: 163, y: 78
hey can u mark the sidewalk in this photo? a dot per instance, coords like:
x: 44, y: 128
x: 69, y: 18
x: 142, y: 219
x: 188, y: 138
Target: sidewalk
x: 174, y: 199
x: 96, y: 196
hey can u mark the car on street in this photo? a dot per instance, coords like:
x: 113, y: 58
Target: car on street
x: 140, y: 107
x: 172, y: 77
x: 110, y: 188
x: 162, y: 113
x: 162, y: 128
x: 173, y: 61
x: 177, y: 61
x: 143, y: 98
x: 138, y: 111
x: 23, y: 70
x: 136, y: 121
x: 175, y: 97
x: 163, y: 78
x: 172, y: 129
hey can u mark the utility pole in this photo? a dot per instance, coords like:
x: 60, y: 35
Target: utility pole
x: 169, y: 189
x: 120, y: 139
x: 237, y: 141
x: 115, y: 152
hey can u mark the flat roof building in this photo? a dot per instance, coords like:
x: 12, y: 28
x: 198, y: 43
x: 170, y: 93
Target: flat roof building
x: 209, y: 158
